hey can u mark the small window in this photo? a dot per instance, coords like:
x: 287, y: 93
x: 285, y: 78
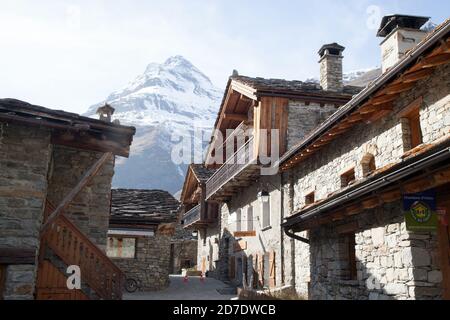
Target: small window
x: 250, y: 218
x: 266, y: 214
x: 410, y: 121
x: 368, y: 164
x: 310, y: 198
x: 238, y: 220
x: 124, y: 248
x: 347, y: 253
x: 415, y: 129
x: 348, y: 178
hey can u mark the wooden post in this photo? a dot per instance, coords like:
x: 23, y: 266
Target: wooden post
x: 87, y: 177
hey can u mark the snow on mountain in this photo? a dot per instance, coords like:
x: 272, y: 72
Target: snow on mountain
x: 359, y: 78
x: 168, y: 100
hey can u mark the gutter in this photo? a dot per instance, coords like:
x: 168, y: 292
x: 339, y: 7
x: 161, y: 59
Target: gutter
x: 371, y: 89
x: 370, y: 186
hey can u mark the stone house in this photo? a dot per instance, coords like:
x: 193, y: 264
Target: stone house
x: 367, y: 192
x: 55, y: 180
x: 200, y: 217
x: 140, y: 236
x: 240, y: 234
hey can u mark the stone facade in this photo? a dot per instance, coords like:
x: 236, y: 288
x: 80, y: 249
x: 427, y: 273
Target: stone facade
x: 90, y: 210
x: 32, y: 169
x: 24, y: 163
x: 391, y: 263
x: 150, y: 267
x: 303, y: 117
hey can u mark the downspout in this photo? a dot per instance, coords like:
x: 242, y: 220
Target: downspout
x: 294, y: 236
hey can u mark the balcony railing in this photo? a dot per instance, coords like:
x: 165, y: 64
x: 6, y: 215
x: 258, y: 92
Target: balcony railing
x: 192, y: 216
x: 232, y: 167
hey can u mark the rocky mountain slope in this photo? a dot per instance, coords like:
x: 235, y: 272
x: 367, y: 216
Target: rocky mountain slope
x: 166, y: 103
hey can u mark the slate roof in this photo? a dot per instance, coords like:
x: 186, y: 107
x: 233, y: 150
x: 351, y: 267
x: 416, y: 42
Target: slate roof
x: 202, y: 173
x: 142, y: 206
x: 290, y: 86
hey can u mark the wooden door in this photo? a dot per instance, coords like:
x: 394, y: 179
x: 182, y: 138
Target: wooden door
x: 444, y: 238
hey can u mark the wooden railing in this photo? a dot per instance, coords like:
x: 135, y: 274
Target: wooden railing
x: 234, y: 165
x: 74, y: 248
x: 192, y: 216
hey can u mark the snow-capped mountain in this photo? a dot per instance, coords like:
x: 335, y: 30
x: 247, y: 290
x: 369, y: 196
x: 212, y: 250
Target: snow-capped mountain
x: 166, y: 103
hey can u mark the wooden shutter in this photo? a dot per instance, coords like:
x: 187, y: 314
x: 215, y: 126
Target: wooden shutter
x: 232, y: 268
x: 272, y: 277
x: 260, y: 270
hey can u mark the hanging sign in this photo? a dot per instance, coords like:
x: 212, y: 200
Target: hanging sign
x: 420, y: 211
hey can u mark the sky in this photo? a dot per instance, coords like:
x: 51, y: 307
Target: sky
x: 70, y: 55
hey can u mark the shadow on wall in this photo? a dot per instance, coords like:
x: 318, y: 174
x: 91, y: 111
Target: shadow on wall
x: 387, y: 262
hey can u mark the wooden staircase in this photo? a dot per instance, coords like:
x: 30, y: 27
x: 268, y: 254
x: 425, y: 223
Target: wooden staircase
x: 64, y: 242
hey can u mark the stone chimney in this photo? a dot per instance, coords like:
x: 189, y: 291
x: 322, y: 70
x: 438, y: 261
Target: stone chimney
x: 401, y: 33
x: 331, y: 67
x: 105, y: 113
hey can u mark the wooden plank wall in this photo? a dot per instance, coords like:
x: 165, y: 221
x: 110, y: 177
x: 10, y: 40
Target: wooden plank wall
x: 271, y: 113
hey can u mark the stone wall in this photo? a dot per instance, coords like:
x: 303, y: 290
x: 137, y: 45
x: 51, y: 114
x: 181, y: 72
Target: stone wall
x: 302, y: 118
x: 208, y: 250
x: 90, y: 210
x: 267, y: 239
x: 386, y: 141
x: 391, y: 263
x: 24, y: 159
x: 150, y: 267
x: 183, y: 250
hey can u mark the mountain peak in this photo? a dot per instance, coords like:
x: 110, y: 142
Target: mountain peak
x: 177, y: 60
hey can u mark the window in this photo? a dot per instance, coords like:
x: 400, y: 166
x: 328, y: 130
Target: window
x: 121, y: 247
x: 414, y: 127
x: 310, y: 198
x: 347, y: 257
x: 348, y: 178
x: 266, y: 214
x: 410, y: 121
x: 250, y: 218
x: 368, y: 164
x: 238, y: 220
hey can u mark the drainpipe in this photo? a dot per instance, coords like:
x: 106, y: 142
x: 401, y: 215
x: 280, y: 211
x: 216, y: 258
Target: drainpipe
x: 294, y: 236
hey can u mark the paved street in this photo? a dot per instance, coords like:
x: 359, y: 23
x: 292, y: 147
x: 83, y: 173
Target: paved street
x: 193, y: 289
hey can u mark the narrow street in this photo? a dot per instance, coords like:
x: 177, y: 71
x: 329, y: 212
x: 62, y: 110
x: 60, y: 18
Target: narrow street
x: 193, y: 289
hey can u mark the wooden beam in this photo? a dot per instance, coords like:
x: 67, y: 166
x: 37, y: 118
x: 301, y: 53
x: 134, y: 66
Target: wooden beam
x: 399, y: 87
x: 11, y: 256
x: 416, y: 75
x: 383, y: 99
x: 84, y: 181
x: 436, y: 60
x: 235, y: 117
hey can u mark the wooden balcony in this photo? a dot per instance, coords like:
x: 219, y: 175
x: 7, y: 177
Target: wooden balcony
x: 193, y: 219
x: 237, y: 172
